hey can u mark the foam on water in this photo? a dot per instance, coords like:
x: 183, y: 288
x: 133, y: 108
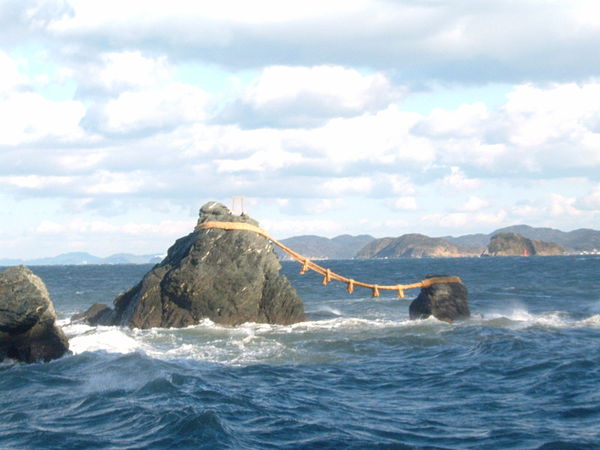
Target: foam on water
x: 521, y: 318
x: 84, y: 338
x: 248, y: 343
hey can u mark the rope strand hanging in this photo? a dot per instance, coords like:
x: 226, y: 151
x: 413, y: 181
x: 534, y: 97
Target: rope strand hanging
x: 327, y: 274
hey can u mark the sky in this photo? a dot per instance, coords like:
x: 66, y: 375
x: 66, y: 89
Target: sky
x: 120, y: 119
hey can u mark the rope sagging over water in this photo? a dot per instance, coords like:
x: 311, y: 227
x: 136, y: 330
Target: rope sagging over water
x: 327, y: 274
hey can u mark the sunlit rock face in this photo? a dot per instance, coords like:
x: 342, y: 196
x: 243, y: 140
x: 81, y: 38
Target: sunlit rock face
x: 28, y: 330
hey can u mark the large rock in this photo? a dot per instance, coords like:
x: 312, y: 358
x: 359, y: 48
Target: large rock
x: 514, y: 244
x: 444, y: 301
x: 28, y: 331
x: 227, y: 276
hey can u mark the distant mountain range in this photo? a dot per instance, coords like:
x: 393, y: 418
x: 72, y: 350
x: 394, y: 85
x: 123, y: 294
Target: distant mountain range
x: 582, y: 240
x: 414, y: 246
x: 317, y: 247
x: 365, y: 246
x: 418, y: 245
x: 82, y: 258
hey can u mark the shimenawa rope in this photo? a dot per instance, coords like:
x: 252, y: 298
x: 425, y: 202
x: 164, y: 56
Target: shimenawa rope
x: 328, y: 275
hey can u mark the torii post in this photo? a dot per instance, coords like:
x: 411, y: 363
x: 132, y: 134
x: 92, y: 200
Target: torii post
x: 234, y: 200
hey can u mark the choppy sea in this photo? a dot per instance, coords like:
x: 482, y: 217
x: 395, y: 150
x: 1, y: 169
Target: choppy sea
x: 523, y: 372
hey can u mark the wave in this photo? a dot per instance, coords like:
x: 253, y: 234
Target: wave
x: 248, y: 343
x: 521, y: 318
x: 256, y: 343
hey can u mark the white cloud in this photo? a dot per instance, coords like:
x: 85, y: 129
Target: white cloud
x: 152, y: 109
x: 105, y: 182
x: 10, y: 76
x: 452, y: 41
x: 284, y: 96
x: 347, y: 186
x: 406, y: 203
x: 260, y: 161
x: 466, y: 120
x: 590, y: 201
x: 286, y: 228
x: 397, y: 184
x: 466, y: 220
x: 39, y: 182
x: 94, y: 227
x: 26, y: 117
x: 88, y: 13
x: 382, y: 138
x: 561, y: 205
x: 128, y: 70
x: 474, y: 203
x: 459, y: 181
x: 541, y: 115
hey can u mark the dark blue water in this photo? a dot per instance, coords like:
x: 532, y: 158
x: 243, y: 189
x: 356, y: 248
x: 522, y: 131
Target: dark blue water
x: 523, y: 373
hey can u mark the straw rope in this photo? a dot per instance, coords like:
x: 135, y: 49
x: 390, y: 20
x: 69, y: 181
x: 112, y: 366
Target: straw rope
x: 327, y: 274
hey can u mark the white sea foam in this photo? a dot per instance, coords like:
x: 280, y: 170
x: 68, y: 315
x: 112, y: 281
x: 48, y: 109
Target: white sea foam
x: 248, y: 343
x: 521, y: 318
x: 109, y: 339
x: 252, y: 343
x: 591, y: 322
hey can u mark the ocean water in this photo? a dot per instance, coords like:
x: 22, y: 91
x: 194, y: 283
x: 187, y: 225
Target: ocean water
x: 524, y: 372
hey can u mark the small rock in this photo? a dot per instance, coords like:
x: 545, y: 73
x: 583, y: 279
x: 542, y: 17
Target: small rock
x: 444, y: 301
x: 28, y: 331
x: 95, y: 315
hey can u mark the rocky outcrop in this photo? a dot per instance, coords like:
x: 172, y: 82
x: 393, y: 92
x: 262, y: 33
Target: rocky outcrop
x: 444, y: 301
x: 513, y: 244
x: 28, y: 331
x: 227, y: 276
x: 413, y: 246
x: 96, y: 314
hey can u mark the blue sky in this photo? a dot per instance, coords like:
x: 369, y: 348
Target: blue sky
x: 118, y: 120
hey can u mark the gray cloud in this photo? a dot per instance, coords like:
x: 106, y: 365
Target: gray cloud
x: 454, y: 41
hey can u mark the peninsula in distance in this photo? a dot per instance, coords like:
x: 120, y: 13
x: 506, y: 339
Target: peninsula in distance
x: 517, y: 240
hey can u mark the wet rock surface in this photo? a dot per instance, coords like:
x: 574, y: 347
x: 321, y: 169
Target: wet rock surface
x: 444, y: 301
x: 227, y: 276
x: 28, y: 330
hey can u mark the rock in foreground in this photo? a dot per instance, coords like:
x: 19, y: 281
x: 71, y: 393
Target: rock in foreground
x: 227, y: 276
x: 28, y: 331
x: 444, y: 301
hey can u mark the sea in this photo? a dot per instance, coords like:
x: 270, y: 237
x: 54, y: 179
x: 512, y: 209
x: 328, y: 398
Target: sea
x: 523, y: 372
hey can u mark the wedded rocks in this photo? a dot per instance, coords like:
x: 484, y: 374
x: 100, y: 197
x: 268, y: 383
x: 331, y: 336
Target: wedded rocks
x: 444, y: 301
x: 28, y: 331
x: 227, y: 276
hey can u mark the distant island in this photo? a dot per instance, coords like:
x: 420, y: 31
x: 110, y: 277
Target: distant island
x: 517, y: 240
x: 513, y: 244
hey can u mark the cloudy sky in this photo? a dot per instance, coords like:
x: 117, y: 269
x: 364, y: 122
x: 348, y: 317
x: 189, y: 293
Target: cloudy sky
x: 119, y: 119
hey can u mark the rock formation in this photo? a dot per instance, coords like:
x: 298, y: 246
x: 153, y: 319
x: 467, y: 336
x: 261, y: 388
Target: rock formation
x: 27, y: 319
x: 227, y: 276
x: 513, y: 244
x: 444, y: 301
x: 96, y: 315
